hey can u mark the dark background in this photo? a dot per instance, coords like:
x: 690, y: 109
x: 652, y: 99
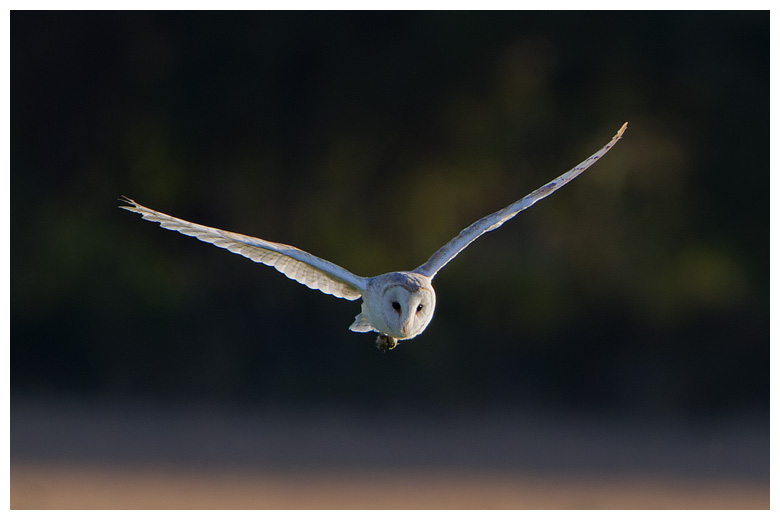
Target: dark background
x: 370, y: 139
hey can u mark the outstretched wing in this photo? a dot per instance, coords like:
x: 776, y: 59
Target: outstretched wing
x: 495, y: 220
x: 305, y: 268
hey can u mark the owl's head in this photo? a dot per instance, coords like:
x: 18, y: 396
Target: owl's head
x: 401, y: 304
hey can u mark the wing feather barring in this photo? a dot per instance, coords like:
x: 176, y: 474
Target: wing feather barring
x: 396, y: 305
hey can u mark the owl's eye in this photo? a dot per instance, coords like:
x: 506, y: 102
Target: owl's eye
x: 419, y: 307
x: 396, y: 306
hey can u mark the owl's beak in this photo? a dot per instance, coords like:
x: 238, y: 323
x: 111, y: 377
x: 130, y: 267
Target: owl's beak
x: 405, y: 326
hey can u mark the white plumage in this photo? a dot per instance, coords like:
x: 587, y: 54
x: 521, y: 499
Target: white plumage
x: 397, y: 305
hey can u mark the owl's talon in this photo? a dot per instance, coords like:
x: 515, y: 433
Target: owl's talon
x: 385, y: 342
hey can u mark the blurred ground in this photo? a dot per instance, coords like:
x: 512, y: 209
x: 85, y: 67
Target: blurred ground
x: 76, y: 487
x: 113, y: 456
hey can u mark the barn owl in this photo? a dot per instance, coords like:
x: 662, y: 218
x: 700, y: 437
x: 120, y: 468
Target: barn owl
x: 399, y: 305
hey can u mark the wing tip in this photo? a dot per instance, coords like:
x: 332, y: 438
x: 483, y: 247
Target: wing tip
x: 131, y: 205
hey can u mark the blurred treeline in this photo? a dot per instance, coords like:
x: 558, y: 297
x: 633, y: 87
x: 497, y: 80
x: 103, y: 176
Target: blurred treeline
x: 371, y: 139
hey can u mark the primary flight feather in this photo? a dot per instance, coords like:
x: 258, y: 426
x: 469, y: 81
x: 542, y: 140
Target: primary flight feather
x: 397, y: 305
